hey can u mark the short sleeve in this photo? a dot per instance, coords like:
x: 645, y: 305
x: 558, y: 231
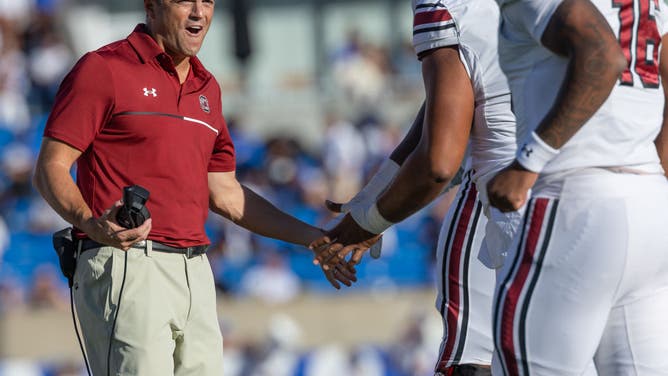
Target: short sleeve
x: 223, y: 158
x: 531, y: 15
x: 83, y: 104
x: 433, y: 26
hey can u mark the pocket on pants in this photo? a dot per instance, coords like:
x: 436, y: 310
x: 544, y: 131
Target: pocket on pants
x: 94, y: 281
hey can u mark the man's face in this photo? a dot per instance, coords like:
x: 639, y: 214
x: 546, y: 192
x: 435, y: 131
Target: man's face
x: 179, y: 26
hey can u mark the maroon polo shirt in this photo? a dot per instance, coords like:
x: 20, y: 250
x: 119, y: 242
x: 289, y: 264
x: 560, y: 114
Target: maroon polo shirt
x: 123, y: 107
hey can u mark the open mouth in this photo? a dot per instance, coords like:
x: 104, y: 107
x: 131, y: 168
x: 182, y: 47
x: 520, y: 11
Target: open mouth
x: 194, y: 30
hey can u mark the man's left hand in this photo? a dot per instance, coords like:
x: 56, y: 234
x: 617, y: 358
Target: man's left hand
x: 342, y: 272
x: 508, y: 190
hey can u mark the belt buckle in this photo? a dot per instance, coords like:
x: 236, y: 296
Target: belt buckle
x: 189, y: 252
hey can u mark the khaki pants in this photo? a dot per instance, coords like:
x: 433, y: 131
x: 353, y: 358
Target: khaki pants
x: 166, y: 318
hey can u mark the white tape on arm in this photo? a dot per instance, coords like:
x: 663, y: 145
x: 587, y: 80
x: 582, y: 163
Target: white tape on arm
x: 370, y: 219
x: 369, y: 194
x: 376, y: 185
x: 375, y: 249
x: 535, y: 153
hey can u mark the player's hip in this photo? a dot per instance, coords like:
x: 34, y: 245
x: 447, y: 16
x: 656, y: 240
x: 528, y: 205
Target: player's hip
x: 600, y: 183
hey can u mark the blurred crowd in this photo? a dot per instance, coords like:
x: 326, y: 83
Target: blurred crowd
x: 33, y: 60
x: 34, y: 57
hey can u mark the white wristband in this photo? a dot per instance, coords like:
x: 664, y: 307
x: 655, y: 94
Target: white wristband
x: 535, y: 153
x: 376, y: 185
x: 375, y: 249
x: 370, y: 219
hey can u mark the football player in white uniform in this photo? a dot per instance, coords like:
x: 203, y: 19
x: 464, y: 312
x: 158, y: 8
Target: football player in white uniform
x: 467, y: 104
x: 586, y: 283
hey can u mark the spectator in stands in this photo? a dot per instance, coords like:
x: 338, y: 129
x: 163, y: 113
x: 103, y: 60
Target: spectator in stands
x: 12, y: 297
x: 16, y: 161
x: 367, y: 361
x: 412, y: 353
x: 360, y: 70
x: 344, y: 153
x: 48, y: 61
x: 46, y: 292
x: 278, y: 353
x: 271, y: 280
x: 17, y: 13
x: 327, y: 360
x: 14, y: 112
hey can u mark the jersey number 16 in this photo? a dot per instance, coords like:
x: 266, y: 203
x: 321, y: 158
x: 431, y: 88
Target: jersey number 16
x: 639, y: 38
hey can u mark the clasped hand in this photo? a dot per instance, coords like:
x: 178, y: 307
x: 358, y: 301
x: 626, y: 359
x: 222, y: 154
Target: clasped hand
x: 105, y: 229
x: 346, y: 237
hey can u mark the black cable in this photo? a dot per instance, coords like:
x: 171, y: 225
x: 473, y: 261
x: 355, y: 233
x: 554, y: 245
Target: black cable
x: 76, y: 330
x: 118, y: 308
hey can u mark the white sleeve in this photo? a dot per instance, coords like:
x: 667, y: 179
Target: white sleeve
x: 433, y: 26
x: 530, y: 15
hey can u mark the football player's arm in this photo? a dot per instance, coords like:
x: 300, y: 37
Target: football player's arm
x: 53, y: 181
x: 411, y: 140
x: 382, y: 177
x: 386, y: 171
x: 579, y: 32
x: 238, y: 203
x: 662, y: 139
x: 448, y: 115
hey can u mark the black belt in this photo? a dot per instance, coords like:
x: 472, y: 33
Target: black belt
x: 190, y: 252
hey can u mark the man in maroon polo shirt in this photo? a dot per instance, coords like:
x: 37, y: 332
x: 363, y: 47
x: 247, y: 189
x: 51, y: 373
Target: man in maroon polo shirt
x: 144, y: 111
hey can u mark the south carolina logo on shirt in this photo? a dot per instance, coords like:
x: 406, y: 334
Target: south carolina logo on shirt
x: 204, y: 104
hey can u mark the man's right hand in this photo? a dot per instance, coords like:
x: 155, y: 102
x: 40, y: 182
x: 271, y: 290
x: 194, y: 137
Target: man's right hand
x: 106, y: 230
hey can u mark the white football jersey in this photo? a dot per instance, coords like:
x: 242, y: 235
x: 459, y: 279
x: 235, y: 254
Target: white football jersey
x: 622, y: 131
x: 473, y: 27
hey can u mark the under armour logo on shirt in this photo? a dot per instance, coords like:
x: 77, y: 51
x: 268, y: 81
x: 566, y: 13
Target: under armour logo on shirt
x: 152, y: 92
x: 527, y: 151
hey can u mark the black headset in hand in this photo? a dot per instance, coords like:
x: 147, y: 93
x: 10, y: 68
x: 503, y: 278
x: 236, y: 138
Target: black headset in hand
x: 133, y: 212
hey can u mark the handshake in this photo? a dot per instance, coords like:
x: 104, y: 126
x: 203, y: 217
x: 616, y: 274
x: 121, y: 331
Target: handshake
x: 345, y: 237
x: 356, y: 230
